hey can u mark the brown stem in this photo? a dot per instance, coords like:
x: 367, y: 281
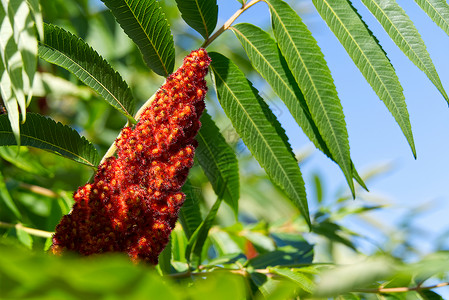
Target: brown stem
x: 401, y: 289
x: 32, y: 231
x: 229, y: 22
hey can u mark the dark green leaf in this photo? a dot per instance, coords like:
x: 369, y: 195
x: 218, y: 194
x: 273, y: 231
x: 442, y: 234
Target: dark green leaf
x: 307, y: 64
x: 201, y: 15
x: 430, y: 295
x: 5, y: 197
x: 198, y: 238
x: 403, y: 32
x: 44, y: 133
x: 165, y: 258
x: 190, y: 214
x: 145, y: 23
x: 70, y: 52
x: 369, y: 57
x: 218, y: 161
x: 259, y: 129
x: 333, y: 232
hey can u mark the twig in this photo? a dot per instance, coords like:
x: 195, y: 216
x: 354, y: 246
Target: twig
x: 38, y: 190
x: 229, y: 22
x: 32, y: 231
x: 401, y: 289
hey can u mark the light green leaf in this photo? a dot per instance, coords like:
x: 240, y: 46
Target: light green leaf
x: 37, y: 17
x: 403, y: 32
x: 18, y: 51
x: 70, y: 52
x: 259, y: 129
x: 438, y: 11
x: 218, y: 161
x: 23, y: 159
x: 24, y: 237
x: 190, y: 214
x: 46, y: 134
x: 369, y: 57
x: 201, y: 15
x: 144, y: 22
x: 307, y: 64
x: 266, y: 58
x: 6, y: 198
x: 302, y: 280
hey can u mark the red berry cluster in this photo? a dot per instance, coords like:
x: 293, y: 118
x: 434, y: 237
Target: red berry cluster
x: 133, y: 203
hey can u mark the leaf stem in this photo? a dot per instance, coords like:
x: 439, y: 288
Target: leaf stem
x: 401, y: 289
x: 32, y: 231
x: 229, y: 22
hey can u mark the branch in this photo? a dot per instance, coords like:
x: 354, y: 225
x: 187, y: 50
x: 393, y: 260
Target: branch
x: 401, y: 289
x: 32, y: 231
x: 229, y: 22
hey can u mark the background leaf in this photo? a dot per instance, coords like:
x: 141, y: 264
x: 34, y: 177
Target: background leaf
x: 190, y: 214
x: 259, y: 129
x: 66, y: 50
x: 201, y: 15
x: 218, y: 161
x: 144, y: 22
x: 44, y: 133
x: 7, y: 200
x: 307, y: 64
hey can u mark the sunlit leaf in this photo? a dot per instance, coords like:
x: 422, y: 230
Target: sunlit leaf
x: 369, y: 57
x: 307, y: 64
x: 201, y: 15
x: 259, y: 129
x: 70, y: 52
x: 218, y: 161
x: 44, y: 133
x: 144, y: 22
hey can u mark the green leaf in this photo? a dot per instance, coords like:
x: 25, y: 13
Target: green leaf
x: 307, y: 64
x: 369, y: 57
x: 259, y: 129
x: 23, y: 159
x: 24, y: 237
x: 144, y: 22
x: 266, y: 58
x: 44, y: 133
x: 198, y: 238
x: 37, y: 17
x: 70, y: 52
x: 285, y: 256
x: 201, y: 15
x: 218, y: 161
x: 403, y: 32
x: 165, y: 258
x: 5, y: 197
x: 190, y: 214
x: 438, y: 11
x: 18, y: 52
x: 302, y: 280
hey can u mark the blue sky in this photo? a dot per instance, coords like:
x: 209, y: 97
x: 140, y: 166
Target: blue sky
x: 375, y: 138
